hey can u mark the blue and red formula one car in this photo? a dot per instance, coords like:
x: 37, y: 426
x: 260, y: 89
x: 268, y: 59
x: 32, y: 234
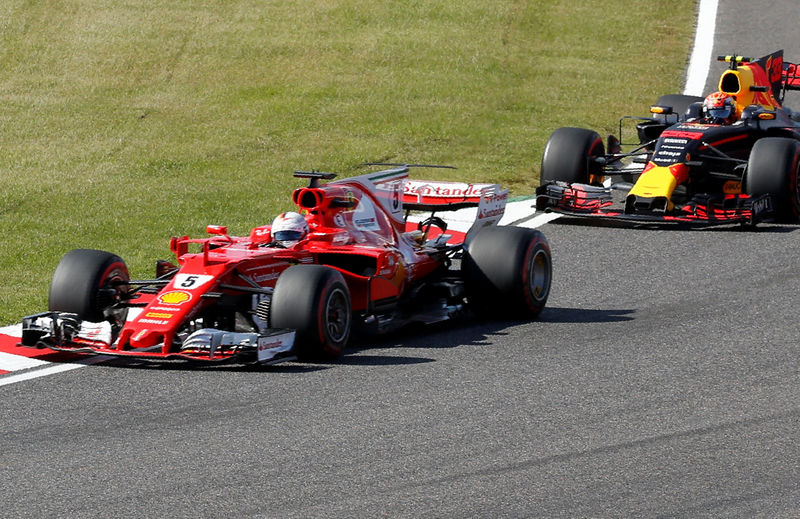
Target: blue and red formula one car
x: 733, y: 157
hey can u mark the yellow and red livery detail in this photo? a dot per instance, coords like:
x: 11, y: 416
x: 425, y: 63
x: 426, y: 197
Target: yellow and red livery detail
x: 660, y: 181
x: 738, y: 83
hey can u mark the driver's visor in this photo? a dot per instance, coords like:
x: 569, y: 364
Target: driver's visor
x: 288, y: 235
x: 723, y: 112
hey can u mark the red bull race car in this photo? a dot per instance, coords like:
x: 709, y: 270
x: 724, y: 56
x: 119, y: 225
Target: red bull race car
x: 354, y: 259
x: 733, y: 157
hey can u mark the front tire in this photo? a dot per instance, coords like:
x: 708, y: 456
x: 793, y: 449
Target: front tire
x: 89, y: 282
x: 569, y: 157
x: 773, y: 169
x: 313, y: 300
x: 507, y: 272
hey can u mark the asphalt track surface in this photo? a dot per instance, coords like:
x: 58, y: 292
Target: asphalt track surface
x: 662, y: 380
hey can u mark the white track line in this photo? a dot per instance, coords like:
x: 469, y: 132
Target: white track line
x: 11, y: 362
x: 700, y: 60
x: 28, y: 375
x: 51, y: 370
x: 463, y: 219
x: 15, y: 330
x: 538, y: 219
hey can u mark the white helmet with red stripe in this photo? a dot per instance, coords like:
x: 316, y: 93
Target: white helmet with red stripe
x: 289, y: 228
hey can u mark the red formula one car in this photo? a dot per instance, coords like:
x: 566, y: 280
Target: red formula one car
x: 261, y: 298
x: 731, y: 158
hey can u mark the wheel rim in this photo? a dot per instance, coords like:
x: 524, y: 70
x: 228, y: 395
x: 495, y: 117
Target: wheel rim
x: 116, y: 279
x: 337, y: 316
x: 539, y: 284
x: 593, y: 168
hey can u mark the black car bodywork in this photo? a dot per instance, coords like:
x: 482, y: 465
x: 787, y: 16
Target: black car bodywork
x: 686, y: 169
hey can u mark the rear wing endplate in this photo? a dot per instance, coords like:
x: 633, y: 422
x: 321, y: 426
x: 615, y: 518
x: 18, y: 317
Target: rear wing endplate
x: 791, y: 76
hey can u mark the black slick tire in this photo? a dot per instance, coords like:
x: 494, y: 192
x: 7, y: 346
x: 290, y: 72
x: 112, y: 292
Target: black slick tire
x: 773, y: 169
x: 87, y: 282
x: 507, y: 272
x: 313, y: 300
x: 568, y: 157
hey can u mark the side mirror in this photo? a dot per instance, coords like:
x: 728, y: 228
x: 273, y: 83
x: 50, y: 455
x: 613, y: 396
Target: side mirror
x: 218, y: 230
x: 661, y: 110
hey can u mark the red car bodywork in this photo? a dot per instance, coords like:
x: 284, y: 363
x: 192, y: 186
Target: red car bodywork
x: 357, y: 226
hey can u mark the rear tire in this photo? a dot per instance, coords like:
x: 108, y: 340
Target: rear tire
x: 568, y: 157
x: 773, y: 169
x: 88, y: 282
x: 313, y: 300
x: 507, y: 272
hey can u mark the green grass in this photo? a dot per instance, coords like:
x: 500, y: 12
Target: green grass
x: 124, y: 122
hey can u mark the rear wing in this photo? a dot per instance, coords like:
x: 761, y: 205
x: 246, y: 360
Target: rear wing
x: 474, y: 205
x: 791, y: 76
x: 423, y: 195
x: 398, y: 195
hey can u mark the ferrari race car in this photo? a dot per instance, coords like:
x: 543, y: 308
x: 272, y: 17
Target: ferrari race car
x: 688, y: 166
x: 262, y: 299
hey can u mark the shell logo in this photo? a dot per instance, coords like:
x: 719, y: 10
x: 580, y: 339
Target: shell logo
x: 175, y: 297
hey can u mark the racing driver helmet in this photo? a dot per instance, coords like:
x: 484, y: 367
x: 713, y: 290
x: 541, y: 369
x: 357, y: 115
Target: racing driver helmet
x: 719, y: 108
x: 289, y: 228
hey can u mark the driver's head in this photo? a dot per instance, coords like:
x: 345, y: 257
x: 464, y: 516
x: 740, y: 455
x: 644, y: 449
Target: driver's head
x: 289, y: 228
x: 719, y: 108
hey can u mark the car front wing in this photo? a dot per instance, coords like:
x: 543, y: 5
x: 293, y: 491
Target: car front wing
x: 596, y: 202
